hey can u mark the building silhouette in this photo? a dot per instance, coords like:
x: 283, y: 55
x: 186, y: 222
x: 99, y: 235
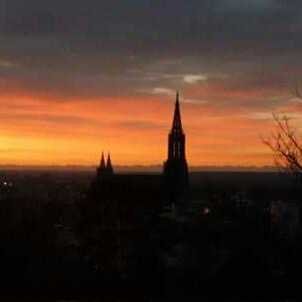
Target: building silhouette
x: 105, y: 169
x: 176, y: 179
x: 172, y: 185
x: 124, y: 206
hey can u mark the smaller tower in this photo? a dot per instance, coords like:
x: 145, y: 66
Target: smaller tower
x: 109, y: 167
x: 102, y: 167
x: 105, y: 169
x: 102, y: 185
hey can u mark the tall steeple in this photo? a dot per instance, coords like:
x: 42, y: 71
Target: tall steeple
x: 176, y: 168
x: 177, y: 139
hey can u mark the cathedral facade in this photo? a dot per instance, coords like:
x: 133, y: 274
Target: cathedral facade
x: 173, y: 184
x: 123, y: 207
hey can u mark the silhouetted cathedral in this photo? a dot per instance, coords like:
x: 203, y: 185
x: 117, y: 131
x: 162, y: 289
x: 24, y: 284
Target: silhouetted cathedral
x: 124, y: 206
x: 170, y: 188
x: 176, y: 179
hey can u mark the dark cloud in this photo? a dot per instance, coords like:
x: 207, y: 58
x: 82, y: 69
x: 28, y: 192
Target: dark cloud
x: 151, y: 19
x: 70, y: 49
x: 145, y: 25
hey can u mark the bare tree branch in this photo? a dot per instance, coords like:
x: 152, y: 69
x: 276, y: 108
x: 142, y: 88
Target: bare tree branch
x: 286, y: 146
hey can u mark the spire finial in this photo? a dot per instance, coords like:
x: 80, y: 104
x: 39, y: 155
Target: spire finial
x: 177, y: 126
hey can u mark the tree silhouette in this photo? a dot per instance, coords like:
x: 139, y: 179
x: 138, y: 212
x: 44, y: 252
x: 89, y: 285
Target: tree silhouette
x: 286, y: 146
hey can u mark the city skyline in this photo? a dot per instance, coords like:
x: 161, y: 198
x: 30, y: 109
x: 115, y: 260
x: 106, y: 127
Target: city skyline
x: 77, y: 80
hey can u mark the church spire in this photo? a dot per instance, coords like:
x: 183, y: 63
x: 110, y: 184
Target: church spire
x: 102, y: 164
x: 177, y: 125
x: 176, y: 168
x: 109, y: 167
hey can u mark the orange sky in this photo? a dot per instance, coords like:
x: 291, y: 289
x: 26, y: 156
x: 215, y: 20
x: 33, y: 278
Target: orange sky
x: 42, y: 131
x: 80, y: 78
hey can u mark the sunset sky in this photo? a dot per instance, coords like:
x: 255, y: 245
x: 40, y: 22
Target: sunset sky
x: 79, y: 77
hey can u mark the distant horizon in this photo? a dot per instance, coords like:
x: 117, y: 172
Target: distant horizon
x: 156, y: 168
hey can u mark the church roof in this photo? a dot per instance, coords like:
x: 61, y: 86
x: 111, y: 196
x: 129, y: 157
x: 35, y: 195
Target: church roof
x: 177, y: 125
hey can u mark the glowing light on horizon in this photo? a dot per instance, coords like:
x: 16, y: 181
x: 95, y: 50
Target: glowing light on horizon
x: 74, y: 133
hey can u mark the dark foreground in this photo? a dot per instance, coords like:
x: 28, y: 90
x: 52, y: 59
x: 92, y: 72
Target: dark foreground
x: 239, y: 239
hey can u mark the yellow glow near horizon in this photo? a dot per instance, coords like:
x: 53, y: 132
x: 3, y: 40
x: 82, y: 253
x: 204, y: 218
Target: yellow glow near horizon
x: 134, y: 131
